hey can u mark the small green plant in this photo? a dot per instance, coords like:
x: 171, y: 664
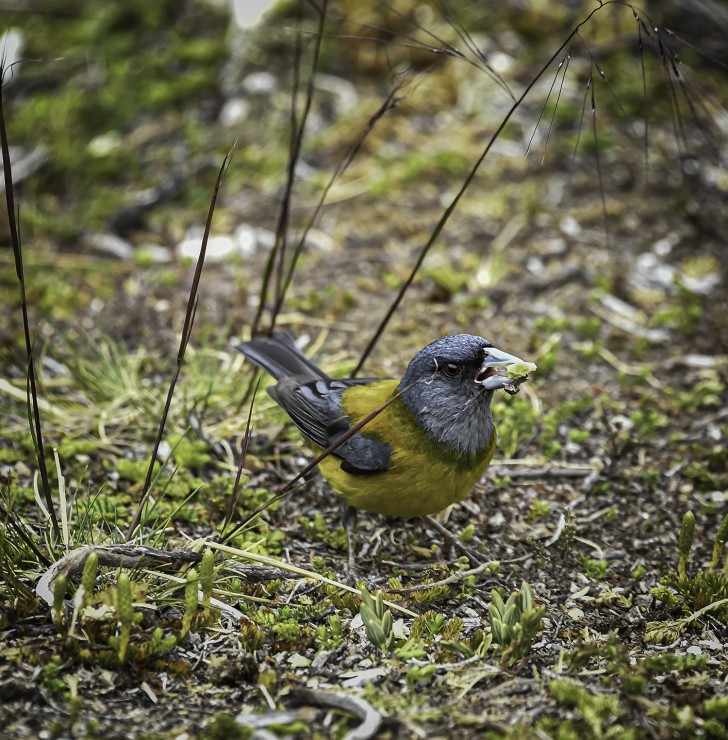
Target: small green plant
x: 685, y: 542
x: 427, y: 625
x: 193, y: 454
x: 589, y: 327
x: 51, y: 676
x: 579, y: 436
x: 517, y: 423
x: 717, y: 708
x: 705, y: 592
x: 191, y: 585
x: 538, y: 510
x: 552, y: 423
x: 594, y: 568
x: 420, y: 673
x: 410, y: 649
x: 721, y: 537
x: 317, y: 528
x: 550, y: 324
x: 648, y: 421
x: 331, y: 636
x: 59, y: 594
x: 206, y: 573
x: 126, y: 613
x: 377, y: 620
x: 515, y: 622
x: 88, y: 578
x: 595, y: 709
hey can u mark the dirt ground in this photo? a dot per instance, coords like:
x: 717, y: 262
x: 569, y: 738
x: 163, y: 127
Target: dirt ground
x: 609, y: 274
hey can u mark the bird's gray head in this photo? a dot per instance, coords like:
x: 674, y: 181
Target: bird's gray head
x: 443, y: 387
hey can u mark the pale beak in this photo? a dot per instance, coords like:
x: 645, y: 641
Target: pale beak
x: 493, y: 373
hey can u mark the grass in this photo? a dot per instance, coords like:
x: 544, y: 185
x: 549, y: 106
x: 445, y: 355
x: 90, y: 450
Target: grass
x: 143, y: 434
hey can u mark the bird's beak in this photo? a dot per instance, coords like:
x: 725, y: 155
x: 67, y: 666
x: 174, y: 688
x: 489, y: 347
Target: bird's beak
x: 494, y: 372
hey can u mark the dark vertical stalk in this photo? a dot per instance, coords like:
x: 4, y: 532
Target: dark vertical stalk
x: 184, y: 339
x: 34, y: 412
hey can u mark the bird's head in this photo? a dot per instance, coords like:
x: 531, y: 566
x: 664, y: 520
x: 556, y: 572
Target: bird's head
x: 449, y: 385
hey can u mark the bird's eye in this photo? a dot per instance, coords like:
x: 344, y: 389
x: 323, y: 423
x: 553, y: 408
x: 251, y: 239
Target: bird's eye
x: 451, y: 369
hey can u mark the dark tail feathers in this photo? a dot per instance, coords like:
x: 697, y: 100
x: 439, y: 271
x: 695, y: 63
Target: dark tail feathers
x: 279, y: 356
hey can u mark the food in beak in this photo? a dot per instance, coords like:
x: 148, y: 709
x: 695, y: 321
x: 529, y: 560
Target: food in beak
x: 520, y: 369
x: 501, y: 370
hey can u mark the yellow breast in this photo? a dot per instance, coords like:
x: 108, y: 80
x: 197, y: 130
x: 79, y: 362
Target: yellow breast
x: 422, y: 478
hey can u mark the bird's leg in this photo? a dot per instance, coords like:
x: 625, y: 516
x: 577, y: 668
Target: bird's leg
x: 348, y: 519
x: 453, y: 540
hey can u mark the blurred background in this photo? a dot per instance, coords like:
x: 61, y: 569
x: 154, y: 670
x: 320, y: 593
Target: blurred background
x: 591, y: 239
x: 119, y: 117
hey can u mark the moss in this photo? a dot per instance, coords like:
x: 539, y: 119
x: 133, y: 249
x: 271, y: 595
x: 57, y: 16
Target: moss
x: 118, y: 61
x: 224, y: 727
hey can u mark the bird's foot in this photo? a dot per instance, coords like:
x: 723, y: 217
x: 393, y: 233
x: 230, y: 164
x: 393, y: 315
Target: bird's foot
x: 349, y: 521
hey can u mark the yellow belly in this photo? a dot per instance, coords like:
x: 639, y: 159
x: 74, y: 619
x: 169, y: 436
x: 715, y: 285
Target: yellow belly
x: 422, y: 478
x: 404, y: 490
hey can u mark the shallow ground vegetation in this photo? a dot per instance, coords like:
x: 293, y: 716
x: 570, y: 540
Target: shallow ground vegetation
x: 599, y: 258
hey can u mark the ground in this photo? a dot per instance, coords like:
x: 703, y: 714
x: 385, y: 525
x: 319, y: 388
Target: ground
x: 600, y: 256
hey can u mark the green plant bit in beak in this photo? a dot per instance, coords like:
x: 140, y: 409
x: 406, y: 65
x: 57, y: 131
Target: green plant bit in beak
x: 501, y: 370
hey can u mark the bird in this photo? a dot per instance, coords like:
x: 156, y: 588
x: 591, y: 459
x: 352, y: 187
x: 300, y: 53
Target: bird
x: 430, y: 444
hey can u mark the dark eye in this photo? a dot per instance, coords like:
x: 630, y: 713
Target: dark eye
x: 451, y: 369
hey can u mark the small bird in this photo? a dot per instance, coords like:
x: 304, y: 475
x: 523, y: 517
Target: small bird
x: 426, y: 449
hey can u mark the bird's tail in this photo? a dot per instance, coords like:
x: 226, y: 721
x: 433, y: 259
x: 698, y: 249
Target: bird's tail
x: 279, y: 356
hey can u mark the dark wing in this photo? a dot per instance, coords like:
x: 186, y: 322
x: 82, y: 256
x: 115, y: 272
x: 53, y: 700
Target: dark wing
x: 315, y: 408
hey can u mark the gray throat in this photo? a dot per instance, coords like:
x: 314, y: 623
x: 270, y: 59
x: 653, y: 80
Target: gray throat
x: 466, y: 428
